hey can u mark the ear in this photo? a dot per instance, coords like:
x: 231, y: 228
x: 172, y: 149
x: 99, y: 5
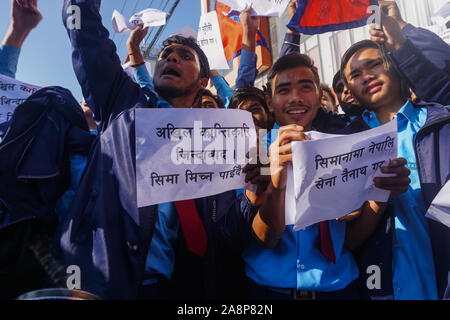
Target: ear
x: 269, y: 103
x: 203, y: 83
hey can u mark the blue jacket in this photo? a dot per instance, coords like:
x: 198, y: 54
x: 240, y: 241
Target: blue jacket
x: 432, y: 154
x: 424, y: 62
x: 105, y: 233
x: 35, y: 172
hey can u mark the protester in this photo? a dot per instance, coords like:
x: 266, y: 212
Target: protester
x: 304, y: 270
x: 328, y: 100
x: 140, y: 255
x: 347, y: 101
x: 416, y: 241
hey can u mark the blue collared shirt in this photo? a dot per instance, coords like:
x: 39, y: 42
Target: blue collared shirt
x: 297, y: 262
x: 161, y: 255
x: 413, y: 264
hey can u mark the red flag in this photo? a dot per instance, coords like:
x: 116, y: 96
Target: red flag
x: 319, y: 16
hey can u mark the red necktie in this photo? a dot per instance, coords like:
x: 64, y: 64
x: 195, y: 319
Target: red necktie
x: 326, y: 244
x: 194, y: 232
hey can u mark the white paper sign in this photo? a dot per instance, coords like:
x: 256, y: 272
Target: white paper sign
x: 190, y: 153
x: 269, y: 8
x: 12, y: 94
x: 210, y: 40
x: 439, y: 209
x: 333, y: 174
x: 186, y: 32
x: 149, y: 17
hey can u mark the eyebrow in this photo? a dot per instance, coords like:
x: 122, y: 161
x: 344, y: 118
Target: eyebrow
x: 287, y: 84
x: 365, y: 64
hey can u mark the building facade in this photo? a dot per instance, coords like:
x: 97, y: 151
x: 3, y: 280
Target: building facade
x: 327, y: 49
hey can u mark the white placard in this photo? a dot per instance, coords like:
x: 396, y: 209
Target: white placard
x: 439, y: 209
x: 210, y: 40
x: 190, y: 153
x: 186, y: 32
x: 149, y: 17
x: 268, y: 8
x: 12, y: 94
x: 333, y: 174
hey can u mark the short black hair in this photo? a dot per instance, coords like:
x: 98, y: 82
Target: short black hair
x: 241, y: 94
x: 290, y: 61
x: 326, y: 88
x: 205, y: 92
x: 337, y: 77
x: 191, y: 43
x: 351, y: 51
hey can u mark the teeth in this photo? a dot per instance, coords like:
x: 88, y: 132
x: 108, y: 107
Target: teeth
x: 297, y: 112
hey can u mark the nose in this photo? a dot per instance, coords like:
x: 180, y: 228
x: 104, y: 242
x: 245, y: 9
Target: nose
x: 367, y: 76
x: 295, y: 96
x: 173, y: 57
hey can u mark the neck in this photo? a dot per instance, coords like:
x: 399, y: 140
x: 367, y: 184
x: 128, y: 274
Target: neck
x: 186, y: 101
x: 387, y: 111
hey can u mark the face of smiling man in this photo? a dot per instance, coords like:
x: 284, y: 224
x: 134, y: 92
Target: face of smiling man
x: 295, y: 97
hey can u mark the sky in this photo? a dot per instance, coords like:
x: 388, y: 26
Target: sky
x: 46, y: 57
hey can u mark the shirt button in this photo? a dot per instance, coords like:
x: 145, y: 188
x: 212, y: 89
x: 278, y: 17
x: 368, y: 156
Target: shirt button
x: 398, y: 289
x: 302, y: 266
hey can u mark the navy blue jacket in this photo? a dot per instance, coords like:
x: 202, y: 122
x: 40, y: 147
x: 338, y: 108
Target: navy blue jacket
x: 35, y: 172
x: 105, y: 233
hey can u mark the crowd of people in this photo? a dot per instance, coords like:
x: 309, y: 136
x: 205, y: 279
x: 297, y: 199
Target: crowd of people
x: 68, y: 194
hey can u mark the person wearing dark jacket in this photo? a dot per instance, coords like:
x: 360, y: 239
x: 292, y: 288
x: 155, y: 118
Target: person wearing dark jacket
x: 35, y: 169
x: 420, y: 255
x: 106, y: 234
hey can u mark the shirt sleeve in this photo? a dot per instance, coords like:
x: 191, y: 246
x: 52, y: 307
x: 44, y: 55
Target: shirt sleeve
x: 247, y: 71
x: 291, y: 44
x: 9, y: 57
x: 224, y: 90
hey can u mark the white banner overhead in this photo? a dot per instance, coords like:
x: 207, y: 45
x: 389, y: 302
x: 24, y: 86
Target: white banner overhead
x: 186, y: 154
x: 333, y: 174
x: 270, y: 8
x: 149, y: 17
x: 210, y: 40
x: 13, y: 93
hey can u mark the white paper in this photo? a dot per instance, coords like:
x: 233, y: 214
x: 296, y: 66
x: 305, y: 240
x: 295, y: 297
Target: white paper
x: 179, y: 153
x: 186, y: 32
x: 149, y: 17
x: 210, y: 40
x: 333, y: 176
x: 269, y: 8
x: 129, y: 69
x: 12, y: 94
x: 439, y: 209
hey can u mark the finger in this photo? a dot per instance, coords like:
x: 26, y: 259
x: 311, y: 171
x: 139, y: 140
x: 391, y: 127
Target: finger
x: 250, y: 167
x: 252, y: 174
x: 399, y: 171
x: 389, y: 183
x: 398, y: 162
x: 377, y: 33
x: 260, y: 180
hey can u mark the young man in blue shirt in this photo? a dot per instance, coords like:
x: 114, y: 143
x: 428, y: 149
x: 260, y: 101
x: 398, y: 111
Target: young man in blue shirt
x: 282, y: 263
x: 420, y: 247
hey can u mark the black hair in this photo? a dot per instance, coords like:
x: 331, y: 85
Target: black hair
x: 290, y: 61
x: 191, y: 43
x: 337, y: 77
x: 205, y: 92
x: 241, y: 94
x: 326, y: 88
x: 351, y: 51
